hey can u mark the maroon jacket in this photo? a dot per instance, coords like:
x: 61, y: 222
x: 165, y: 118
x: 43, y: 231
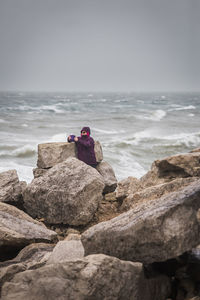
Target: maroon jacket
x: 85, y: 148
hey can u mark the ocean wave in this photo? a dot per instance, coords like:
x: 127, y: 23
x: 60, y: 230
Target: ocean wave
x: 22, y: 152
x: 2, y: 121
x: 177, y: 107
x: 107, y: 131
x: 156, y: 116
x: 185, y: 139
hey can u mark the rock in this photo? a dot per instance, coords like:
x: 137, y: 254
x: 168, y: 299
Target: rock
x: 155, y: 192
x: 11, y: 188
x: 195, y: 150
x: 66, y: 251
x: 153, y: 231
x: 17, y: 230
x: 94, y: 277
x: 98, y: 151
x: 50, y: 154
x: 177, y: 166
x: 37, y: 172
x: 31, y: 257
x: 68, y: 193
x: 108, y: 175
x: 127, y: 186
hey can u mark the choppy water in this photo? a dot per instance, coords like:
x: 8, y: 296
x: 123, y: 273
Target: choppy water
x: 134, y: 129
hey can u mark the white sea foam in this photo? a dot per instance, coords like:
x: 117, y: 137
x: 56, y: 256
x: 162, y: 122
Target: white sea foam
x: 2, y: 121
x: 189, y: 107
x: 185, y: 139
x: 60, y: 137
x: 107, y: 131
x: 156, y: 115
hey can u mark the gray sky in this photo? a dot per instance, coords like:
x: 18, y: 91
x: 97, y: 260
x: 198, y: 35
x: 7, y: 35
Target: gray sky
x: 100, y: 45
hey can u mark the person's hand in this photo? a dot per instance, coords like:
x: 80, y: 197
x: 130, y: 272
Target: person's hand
x: 76, y: 139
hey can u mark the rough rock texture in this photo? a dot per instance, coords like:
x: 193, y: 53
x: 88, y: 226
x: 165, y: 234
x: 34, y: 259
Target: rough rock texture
x: 50, y: 154
x: 98, y: 151
x: 154, y: 231
x: 108, y: 175
x: 17, y: 229
x: 155, y: 192
x: 94, y: 277
x: 127, y: 186
x: 31, y: 257
x: 37, y: 172
x: 11, y: 188
x: 66, y: 250
x: 177, y: 166
x: 68, y: 193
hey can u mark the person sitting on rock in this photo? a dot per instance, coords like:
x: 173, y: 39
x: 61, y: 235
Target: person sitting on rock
x: 85, y: 147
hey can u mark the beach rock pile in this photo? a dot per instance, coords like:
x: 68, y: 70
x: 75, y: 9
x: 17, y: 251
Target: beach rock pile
x: 135, y: 239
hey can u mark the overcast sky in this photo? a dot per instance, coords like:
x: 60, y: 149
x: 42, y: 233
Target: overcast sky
x: 100, y: 45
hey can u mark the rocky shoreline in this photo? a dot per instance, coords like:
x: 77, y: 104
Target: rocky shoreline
x: 75, y: 232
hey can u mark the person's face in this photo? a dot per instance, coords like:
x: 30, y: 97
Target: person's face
x: 83, y: 133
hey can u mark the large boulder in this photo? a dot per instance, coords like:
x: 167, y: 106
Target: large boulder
x: 68, y: 193
x: 31, y: 257
x: 108, y: 175
x: 11, y: 188
x: 169, y: 168
x: 152, y: 231
x: 17, y: 230
x: 50, y: 154
x: 94, y: 277
x: 154, y: 192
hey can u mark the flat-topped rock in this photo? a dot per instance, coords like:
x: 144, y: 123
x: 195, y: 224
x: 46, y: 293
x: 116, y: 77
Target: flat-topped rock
x: 50, y: 154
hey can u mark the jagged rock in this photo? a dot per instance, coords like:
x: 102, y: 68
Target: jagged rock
x: 94, y: 277
x: 11, y: 188
x: 177, y: 166
x: 31, y: 257
x: 17, y: 230
x: 108, y: 175
x: 127, y: 186
x: 68, y: 193
x: 155, y: 192
x: 153, y: 231
x: 66, y: 250
x: 50, y: 154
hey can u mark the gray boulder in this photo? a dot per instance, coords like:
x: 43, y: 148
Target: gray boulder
x: 108, y: 175
x: 154, y: 192
x: 11, y: 188
x: 17, y: 229
x: 68, y: 193
x: 169, y: 168
x: 66, y: 250
x: 94, y: 277
x: 152, y: 231
x: 31, y: 257
x: 50, y: 154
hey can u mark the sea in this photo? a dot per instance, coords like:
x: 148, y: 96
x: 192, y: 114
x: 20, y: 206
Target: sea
x: 134, y: 129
